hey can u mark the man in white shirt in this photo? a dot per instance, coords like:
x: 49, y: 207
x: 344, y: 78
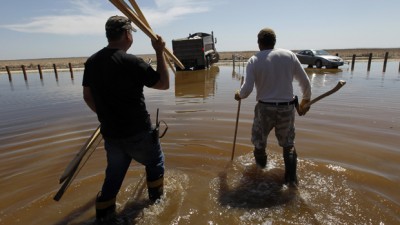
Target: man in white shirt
x: 272, y: 72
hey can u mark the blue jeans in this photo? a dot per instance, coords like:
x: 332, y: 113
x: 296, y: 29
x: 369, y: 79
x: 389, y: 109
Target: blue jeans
x: 143, y: 148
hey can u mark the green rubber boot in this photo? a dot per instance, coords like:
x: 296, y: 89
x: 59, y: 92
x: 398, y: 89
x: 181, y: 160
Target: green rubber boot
x: 290, y: 159
x: 261, y: 157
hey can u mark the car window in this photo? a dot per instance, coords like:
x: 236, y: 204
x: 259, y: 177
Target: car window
x: 321, y: 52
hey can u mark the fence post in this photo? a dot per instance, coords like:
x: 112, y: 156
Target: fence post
x: 55, y: 70
x: 40, y: 72
x: 352, y: 62
x: 9, y: 73
x: 70, y: 69
x: 24, y: 71
x: 369, y: 62
x: 385, y: 61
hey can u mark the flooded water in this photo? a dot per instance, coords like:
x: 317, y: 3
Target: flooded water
x: 348, y: 147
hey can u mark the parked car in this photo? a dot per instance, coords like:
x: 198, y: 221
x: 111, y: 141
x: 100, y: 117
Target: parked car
x: 319, y: 58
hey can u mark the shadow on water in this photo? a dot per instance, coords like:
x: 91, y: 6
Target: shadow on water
x: 77, y: 213
x: 256, y: 188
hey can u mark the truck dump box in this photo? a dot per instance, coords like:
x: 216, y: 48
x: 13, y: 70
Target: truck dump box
x: 197, y: 51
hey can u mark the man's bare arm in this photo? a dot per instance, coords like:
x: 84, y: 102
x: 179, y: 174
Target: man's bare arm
x: 87, y: 96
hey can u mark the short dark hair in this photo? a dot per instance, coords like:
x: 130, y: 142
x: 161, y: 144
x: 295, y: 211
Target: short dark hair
x: 266, y: 37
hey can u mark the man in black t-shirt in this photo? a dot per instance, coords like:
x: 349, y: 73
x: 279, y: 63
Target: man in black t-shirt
x: 113, y: 83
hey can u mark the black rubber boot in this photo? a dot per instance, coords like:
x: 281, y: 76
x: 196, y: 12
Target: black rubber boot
x: 155, y: 189
x: 261, y: 157
x: 105, y: 211
x: 290, y: 159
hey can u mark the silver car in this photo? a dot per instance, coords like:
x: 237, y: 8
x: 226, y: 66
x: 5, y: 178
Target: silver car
x: 319, y: 58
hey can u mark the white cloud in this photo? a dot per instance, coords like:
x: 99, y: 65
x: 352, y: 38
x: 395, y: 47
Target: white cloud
x: 159, y: 18
x: 87, y: 17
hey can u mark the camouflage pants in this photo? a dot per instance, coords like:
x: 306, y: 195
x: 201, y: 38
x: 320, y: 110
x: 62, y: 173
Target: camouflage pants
x: 267, y: 117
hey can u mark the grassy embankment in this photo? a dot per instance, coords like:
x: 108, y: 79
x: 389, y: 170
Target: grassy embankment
x: 78, y: 62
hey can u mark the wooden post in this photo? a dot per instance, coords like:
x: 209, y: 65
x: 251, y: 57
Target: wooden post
x: 24, y: 71
x: 9, y: 73
x: 70, y: 70
x: 385, y: 61
x: 399, y: 66
x: 352, y: 62
x: 369, y: 62
x: 233, y: 60
x: 55, y: 70
x: 40, y: 72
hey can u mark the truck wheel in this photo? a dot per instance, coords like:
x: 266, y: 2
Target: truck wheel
x: 208, y: 61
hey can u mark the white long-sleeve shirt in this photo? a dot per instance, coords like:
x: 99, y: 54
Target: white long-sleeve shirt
x: 272, y: 72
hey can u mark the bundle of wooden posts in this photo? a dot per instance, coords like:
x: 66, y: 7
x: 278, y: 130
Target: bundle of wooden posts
x: 140, y: 21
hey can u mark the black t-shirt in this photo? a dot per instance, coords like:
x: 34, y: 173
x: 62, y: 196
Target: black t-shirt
x: 116, y: 80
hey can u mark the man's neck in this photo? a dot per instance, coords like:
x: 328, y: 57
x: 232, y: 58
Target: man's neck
x: 117, y: 45
x: 262, y: 48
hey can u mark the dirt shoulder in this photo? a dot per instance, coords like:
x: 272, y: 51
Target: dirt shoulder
x: 78, y: 62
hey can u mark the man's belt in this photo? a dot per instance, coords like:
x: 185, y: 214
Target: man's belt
x: 278, y: 103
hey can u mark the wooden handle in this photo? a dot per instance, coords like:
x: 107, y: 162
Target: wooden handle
x: 339, y: 85
x: 237, y: 122
x: 125, y: 9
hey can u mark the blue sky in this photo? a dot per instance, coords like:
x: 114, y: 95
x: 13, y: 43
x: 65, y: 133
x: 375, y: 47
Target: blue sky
x: 75, y: 28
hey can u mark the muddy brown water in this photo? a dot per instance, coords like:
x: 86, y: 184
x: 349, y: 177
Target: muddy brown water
x: 348, y: 147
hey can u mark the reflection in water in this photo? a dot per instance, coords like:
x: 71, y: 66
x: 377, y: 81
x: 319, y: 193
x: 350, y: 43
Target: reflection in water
x: 237, y: 76
x: 316, y: 71
x: 196, y: 84
x: 320, y: 77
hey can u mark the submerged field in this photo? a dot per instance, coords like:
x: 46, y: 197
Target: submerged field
x: 347, y: 146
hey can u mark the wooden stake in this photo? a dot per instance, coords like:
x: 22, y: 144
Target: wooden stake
x: 24, y: 71
x: 78, y: 157
x: 9, y: 73
x: 71, y: 71
x: 72, y: 169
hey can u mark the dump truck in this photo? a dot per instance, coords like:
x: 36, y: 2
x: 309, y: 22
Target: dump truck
x: 197, y: 51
